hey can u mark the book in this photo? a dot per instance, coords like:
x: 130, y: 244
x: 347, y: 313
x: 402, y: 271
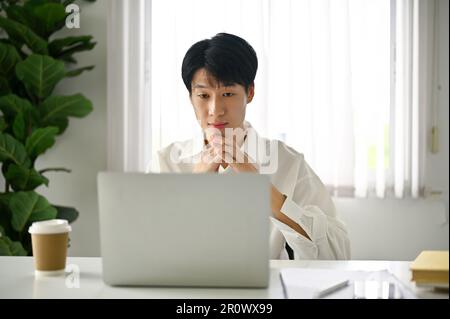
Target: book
x: 301, y: 283
x: 430, y: 268
x: 311, y: 283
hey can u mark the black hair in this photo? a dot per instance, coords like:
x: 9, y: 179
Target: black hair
x: 227, y: 57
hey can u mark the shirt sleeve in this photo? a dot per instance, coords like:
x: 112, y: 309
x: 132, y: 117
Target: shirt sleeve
x: 311, y: 207
x: 158, y: 164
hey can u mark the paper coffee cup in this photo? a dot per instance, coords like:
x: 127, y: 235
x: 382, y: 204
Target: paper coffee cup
x: 49, y: 241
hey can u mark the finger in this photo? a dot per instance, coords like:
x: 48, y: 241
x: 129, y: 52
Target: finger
x: 220, y: 140
x: 209, y: 155
x: 207, y: 158
x: 231, y: 146
x: 226, y: 145
x: 216, y: 144
x: 206, y: 149
x: 239, y: 166
x: 218, y: 159
x: 216, y: 138
x: 236, y: 138
x: 220, y: 148
x: 223, y: 141
x: 227, y: 157
x: 239, y: 156
x: 211, y: 132
x: 215, y: 156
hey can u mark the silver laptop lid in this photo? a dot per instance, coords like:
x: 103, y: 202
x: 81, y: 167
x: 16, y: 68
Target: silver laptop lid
x: 184, y: 229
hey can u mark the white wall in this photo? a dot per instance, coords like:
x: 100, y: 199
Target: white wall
x: 82, y: 147
x: 437, y: 165
x: 393, y: 229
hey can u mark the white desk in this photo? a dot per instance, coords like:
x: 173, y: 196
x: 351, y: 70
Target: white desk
x: 17, y: 280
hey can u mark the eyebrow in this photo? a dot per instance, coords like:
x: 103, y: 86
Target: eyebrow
x: 205, y: 86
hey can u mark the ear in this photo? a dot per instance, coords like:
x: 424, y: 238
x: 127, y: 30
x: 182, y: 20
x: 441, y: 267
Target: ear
x: 251, y: 92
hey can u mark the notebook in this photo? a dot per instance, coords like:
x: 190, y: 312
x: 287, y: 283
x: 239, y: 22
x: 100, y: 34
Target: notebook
x: 300, y: 283
x: 311, y: 283
x: 430, y: 268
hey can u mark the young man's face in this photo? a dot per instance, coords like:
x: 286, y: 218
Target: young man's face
x: 218, y: 106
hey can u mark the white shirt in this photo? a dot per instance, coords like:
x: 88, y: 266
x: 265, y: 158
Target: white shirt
x: 308, y: 202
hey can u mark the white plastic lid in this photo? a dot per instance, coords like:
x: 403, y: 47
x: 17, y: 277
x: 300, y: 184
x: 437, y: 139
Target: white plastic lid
x: 52, y: 226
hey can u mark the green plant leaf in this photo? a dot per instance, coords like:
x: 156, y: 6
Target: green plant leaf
x: 29, y: 207
x: 26, y: 16
x: 11, y: 248
x: 60, y: 123
x: 4, y: 199
x: 8, y: 60
x: 16, y: 248
x: 68, y: 59
x: 18, y: 45
x: 9, y: 57
x: 25, y: 179
x: 40, y: 140
x: 22, y: 15
x: 5, y: 214
x: 42, y: 17
x: 58, y: 107
x: 66, y: 55
x: 78, y: 71
x: 56, y: 46
x: 67, y: 2
x: 51, y: 17
x: 22, y: 34
x: 4, y: 248
x: 4, y: 86
x: 11, y: 105
x: 13, y: 150
x: 19, y: 128
x: 20, y: 114
x: 63, y: 49
x: 3, y: 124
x: 40, y: 74
x: 32, y: 4
x: 68, y: 213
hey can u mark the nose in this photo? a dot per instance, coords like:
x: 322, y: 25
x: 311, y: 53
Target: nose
x: 216, y: 108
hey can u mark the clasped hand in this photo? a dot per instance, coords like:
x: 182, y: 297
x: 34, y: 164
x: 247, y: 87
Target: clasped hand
x: 223, y: 151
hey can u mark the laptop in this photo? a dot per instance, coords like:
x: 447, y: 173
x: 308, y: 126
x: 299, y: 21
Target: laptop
x: 207, y: 230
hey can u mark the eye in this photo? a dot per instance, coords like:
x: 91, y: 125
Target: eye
x: 202, y: 95
x: 228, y: 94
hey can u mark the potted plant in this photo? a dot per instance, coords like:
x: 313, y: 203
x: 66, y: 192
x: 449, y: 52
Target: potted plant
x: 32, y: 62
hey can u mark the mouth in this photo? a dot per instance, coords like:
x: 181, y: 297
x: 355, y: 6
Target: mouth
x: 218, y: 125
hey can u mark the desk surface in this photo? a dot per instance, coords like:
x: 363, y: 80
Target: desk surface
x: 17, y: 280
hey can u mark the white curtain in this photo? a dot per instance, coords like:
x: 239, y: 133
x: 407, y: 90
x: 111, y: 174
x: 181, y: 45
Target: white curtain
x: 335, y: 81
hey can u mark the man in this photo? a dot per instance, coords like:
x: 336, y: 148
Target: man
x: 219, y: 75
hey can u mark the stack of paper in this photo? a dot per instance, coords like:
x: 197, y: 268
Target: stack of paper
x: 430, y: 268
x: 307, y: 283
x: 312, y: 283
